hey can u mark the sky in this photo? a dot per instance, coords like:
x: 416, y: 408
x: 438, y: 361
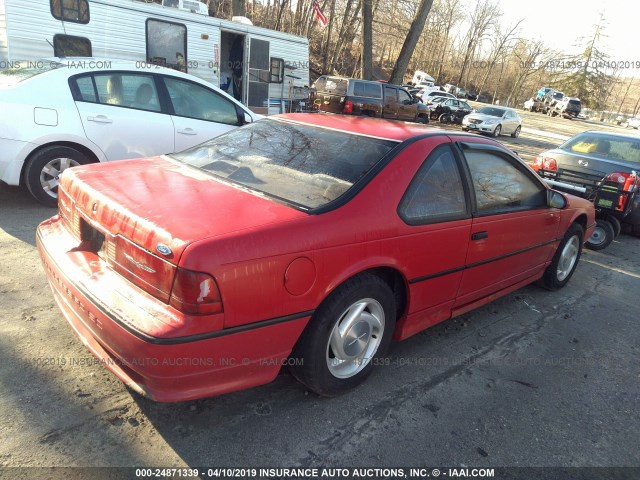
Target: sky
x: 560, y: 22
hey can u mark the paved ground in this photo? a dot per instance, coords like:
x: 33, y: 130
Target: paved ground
x: 535, y: 378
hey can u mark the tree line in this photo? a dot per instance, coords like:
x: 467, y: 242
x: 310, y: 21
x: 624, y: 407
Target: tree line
x: 463, y: 42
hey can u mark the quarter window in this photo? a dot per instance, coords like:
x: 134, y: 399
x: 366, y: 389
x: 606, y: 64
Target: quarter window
x: 76, y: 11
x: 436, y: 192
x: 195, y: 101
x: 500, y: 186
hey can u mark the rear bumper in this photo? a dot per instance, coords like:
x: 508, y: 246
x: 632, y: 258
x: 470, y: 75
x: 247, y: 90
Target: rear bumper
x: 12, y: 156
x: 165, y: 370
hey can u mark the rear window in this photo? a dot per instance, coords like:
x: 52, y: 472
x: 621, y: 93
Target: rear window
x: 574, y: 102
x: 605, y: 146
x: 300, y: 164
x: 365, y: 89
x: 331, y: 85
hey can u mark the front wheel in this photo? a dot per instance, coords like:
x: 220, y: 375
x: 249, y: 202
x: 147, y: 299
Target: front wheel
x: 497, y: 131
x: 602, y: 236
x: 565, y: 260
x: 423, y: 119
x: 348, y: 332
x: 516, y: 133
x: 444, y: 118
x: 43, y: 170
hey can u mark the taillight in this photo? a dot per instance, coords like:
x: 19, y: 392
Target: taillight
x: 628, y: 181
x: 545, y: 163
x: 348, y: 107
x: 195, y: 293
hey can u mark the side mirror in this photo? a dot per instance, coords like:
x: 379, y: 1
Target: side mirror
x: 555, y: 199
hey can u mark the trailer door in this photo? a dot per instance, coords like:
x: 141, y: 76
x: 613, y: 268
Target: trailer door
x: 259, y: 74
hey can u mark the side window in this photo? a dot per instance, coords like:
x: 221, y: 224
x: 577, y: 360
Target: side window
x: 390, y: 93
x: 167, y: 44
x: 127, y: 90
x: 195, y: 101
x: 373, y: 90
x: 500, y: 185
x: 277, y: 70
x: 436, y: 193
x: 83, y: 89
x: 76, y: 11
x: 404, y: 96
x: 70, y: 46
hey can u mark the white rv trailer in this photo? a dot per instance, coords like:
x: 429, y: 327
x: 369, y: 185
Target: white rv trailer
x: 260, y: 67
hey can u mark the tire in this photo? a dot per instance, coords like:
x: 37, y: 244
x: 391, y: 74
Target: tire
x: 422, y: 119
x: 497, y: 131
x: 602, y: 236
x: 516, y: 132
x: 444, y: 118
x: 565, y: 260
x: 615, y: 223
x: 324, y: 369
x: 43, y: 170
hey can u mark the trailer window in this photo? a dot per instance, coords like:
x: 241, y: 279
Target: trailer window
x: 70, y: 46
x: 167, y: 44
x: 70, y: 10
x: 277, y: 70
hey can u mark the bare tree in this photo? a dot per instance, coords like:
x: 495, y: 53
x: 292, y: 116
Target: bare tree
x: 502, y: 39
x: 483, y: 16
x: 367, y: 39
x: 397, y: 75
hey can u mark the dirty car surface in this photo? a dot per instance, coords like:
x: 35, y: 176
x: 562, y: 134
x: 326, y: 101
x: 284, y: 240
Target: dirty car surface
x: 301, y: 239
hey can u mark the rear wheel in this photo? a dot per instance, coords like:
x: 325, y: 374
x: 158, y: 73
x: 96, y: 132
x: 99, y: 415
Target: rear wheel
x: 602, y: 236
x: 615, y: 223
x: 497, y: 131
x: 351, y: 329
x: 565, y: 260
x: 43, y: 170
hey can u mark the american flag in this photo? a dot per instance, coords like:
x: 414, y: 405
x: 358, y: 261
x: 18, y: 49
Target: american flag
x: 321, y: 18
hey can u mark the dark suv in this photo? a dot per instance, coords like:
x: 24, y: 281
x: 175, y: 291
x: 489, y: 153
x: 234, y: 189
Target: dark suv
x: 567, y: 107
x: 363, y: 97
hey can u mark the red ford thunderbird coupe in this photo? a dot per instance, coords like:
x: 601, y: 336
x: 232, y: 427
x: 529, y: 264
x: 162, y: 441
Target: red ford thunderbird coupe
x: 307, y: 240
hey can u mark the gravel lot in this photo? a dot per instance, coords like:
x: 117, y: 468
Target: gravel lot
x: 533, y: 379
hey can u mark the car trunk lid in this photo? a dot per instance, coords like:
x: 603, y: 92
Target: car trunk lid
x: 162, y: 205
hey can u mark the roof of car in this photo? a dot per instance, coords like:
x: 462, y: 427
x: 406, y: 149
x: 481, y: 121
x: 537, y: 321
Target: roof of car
x: 371, y: 127
x: 629, y: 136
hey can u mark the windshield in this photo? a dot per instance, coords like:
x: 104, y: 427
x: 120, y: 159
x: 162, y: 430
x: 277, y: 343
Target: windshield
x: 605, y: 146
x: 301, y: 164
x: 20, y: 71
x: 492, y: 111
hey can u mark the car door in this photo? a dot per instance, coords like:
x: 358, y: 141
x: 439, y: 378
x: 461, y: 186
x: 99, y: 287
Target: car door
x: 514, y: 231
x: 199, y: 113
x: 390, y: 109
x: 436, y: 210
x: 406, y: 106
x: 510, y: 122
x: 121, y: 113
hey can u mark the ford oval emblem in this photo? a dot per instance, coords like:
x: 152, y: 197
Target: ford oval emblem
x: 163, y: 249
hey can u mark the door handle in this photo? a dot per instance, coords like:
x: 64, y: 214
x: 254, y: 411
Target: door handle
x: 479, y: 235
x: 187, y: 131
x: 100, y: 119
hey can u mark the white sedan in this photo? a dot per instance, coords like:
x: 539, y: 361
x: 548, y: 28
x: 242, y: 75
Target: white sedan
x: 494, y: 121
x: 76, y: 111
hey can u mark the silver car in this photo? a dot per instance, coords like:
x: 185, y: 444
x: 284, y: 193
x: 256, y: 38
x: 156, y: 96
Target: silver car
x: 493, y: 120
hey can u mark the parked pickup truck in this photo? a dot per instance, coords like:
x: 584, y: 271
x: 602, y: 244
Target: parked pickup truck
x: 352, y: 96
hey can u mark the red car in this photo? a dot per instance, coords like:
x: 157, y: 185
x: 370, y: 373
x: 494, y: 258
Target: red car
x: 308, y: 240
